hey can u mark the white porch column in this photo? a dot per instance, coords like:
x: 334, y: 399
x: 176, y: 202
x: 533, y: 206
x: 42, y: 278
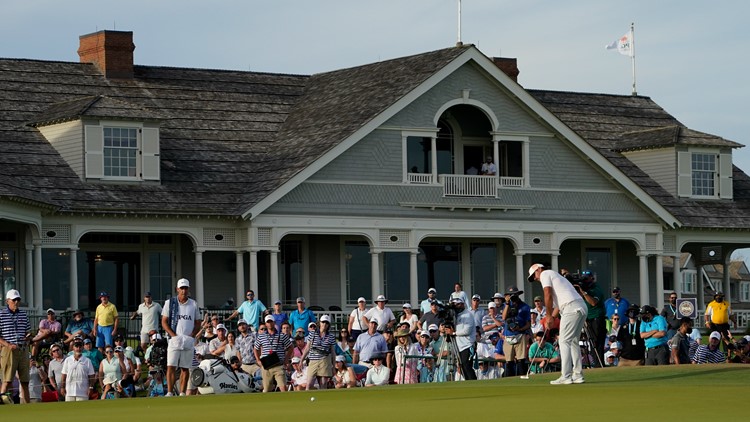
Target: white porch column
x: 555, y: 262
x: 413, y: 279
x: 496, y: 159
x: 254, y: 275
x: 520, y: 277
x: 659, y: 282
x: 677, y: 275
x: 73, y: 278
x: 239, y: 277
x: 643, y: 278
x: 275, y: 287
x: 198, y: 290
x: 375, y: 274
x: 433, y: 161
x: 38, y: 294
x: 29, y: 276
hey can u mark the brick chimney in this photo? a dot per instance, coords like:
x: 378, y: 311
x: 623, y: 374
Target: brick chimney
x: 110, y: 51
x: 508, y: 65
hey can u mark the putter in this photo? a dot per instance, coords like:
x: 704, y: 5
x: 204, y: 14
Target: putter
x: 528, y: 371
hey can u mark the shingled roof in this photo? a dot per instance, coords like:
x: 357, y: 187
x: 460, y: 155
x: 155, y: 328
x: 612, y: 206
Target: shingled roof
x: 612, y: 123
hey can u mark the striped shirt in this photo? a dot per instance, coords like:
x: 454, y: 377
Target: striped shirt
x: 245, y: 344
x: 320, y: 346
x: 704, y: 354
x: 14, y: 326
x: 265, y: 343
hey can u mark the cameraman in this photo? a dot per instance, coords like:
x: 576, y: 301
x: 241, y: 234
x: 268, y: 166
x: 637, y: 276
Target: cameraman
x: 466, y: 334
x: 586, y: 286
x: 517, y: 317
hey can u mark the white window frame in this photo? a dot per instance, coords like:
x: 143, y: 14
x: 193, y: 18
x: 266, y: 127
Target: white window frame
x: 744, y: 294
x: 136, y: 150
x: 147, y: 154
x: 689, y: 281
x: 419, y: 178
x: 706, y: 157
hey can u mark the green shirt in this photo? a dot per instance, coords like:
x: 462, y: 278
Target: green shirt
x: 597, y: 310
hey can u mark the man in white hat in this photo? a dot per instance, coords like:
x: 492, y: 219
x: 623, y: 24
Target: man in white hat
x: 384, y: 315
x: 15, y: 332
x: 424, y: 306
x: 563, y: 301
x: 181, y: 320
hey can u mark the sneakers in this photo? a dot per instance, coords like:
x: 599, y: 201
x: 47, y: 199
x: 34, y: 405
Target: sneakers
x: 168, y: 395
x: 562, y: 381
x: 6, y: 398
x: 182, y: 394
x: 578, y: 380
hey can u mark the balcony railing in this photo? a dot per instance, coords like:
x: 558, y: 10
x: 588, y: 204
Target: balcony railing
x: 465, y: 185
x: 512, y: 182
x: 420, y: 178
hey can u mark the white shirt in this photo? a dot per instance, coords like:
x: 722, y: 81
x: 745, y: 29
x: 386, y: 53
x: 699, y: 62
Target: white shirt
x: 187, y: 314
x: 358, y: 323
x: 77, y: 373
x: 150, y: 315
x: 562, y: 291
x: 378, y: 375
x: 383, y: 316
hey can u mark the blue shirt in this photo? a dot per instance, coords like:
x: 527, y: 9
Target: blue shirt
x: 610, y: 306
x: 279, y: 319
x: 658, y: 323
x: 85, y: 325
x: 301, y: 319
x: 251, y: 312
x: 522, y: 318
x: 367, y: 345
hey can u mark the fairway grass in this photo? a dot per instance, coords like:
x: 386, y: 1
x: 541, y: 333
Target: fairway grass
x: 611, y: 394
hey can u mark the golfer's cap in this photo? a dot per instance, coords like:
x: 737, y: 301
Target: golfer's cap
x: 533, y: 269
x: 296, y: 359
x: 407, y: 306
x: 476, y: 297
x: 615, y: 345
x: 50, y: 311
x: 434, y: 302
x: 183, y: 282
x: 491, y: 305
x: 718, y: 294
x: 221, y: 327
x: 424, y: 333
x: 431, y: 290
x: 12, y: 294
x: 747, y: 338
x: 268, y: 318
x: 300, y: 299
x: 325, y: 318
x: 361, y: 299
x: 494, y: 335
x: 433, y: 327
x: 715, y: 335
x: 380, y: 298
x: 242, y: 321
x: 78, y: 341
x: 340, y: 358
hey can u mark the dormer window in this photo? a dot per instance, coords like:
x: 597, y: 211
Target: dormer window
x: 121, y: 151
x: 703, y: 174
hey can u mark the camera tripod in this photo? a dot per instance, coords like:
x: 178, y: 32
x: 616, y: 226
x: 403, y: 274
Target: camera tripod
x: 452, y: 360
x: 590, y: 347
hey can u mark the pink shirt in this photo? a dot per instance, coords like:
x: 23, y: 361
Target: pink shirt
x: 53, y: 326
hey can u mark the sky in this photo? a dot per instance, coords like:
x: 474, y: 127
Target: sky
x: 691, y: 56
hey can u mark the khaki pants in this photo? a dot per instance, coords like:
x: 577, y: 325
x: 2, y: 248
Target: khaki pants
x: 274, y: 374
x: 628, y: 362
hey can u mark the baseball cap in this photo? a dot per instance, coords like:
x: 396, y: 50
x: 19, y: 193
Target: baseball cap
x: 87, y: 341
x: 609, y: 355
x: 340, y: 358
x: 424, y: 333
x: 497, y: 296
x: 715, y: 335
x: 747, y: 338
x: 268, y: 318
x: 312, y: 324
x: 533, y: 269
x: 407, y: 305
x: 491, y: 305
x: 456, y: 300
x: 103, y: 294
x: 539, y: 298
x: 477, y: 297
x: 221, y: 327
x: 615, y: 345
x: 148, y: 294
x: 183, y: 282
x: 296, y: 359
x: 373, y: 321
x: 433, y: 327
x: 325, y: 318
x: 494, y: 334
x: 50, y: 311
x: 380, y: 298
x: 431, y: 290
x: 13, y: 294
x: 300, y: 299
x: 361, y: 299
x: 616, y: 289
x: 242, y: 321
x: 278, y: 302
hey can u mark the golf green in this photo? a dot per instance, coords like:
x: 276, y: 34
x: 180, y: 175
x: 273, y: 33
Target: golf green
x: 612, y: 394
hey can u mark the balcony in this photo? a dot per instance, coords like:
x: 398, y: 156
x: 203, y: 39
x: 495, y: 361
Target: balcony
x: 512, y: 182
x: 419, y: 178
x: 470, y: 186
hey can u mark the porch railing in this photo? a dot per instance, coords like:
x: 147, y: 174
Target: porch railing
x: 512, y: 182
x: 419, y: 178
x: 466, y: 185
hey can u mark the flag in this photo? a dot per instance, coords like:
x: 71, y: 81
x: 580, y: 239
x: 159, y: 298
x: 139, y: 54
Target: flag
x: 624, y: 45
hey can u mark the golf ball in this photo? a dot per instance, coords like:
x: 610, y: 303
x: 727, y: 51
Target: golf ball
x: 312, y: 398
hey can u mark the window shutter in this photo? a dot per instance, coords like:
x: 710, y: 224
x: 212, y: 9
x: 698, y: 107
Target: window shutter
x: 94, y: 148
x: 725, y: 176
x: 684, y: 174
x: 150, y: 169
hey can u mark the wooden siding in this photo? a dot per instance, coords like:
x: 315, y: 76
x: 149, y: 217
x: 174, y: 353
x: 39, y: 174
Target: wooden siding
x: 660, y: 164
x: 377, y: 157
x: 67, y: 138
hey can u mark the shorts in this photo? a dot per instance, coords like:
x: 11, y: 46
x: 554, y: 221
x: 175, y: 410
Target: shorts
x: 274, y: 374
x: 145, y: 339
x: 12, y: 361
x: 76, y: 398
x: 516, y: 351
x: 180, y: 358
x: 104, y: 335
x: 320, y: 368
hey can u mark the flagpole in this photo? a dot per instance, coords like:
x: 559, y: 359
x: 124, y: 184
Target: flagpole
x: 459, y: 42
x: 632, y: 53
